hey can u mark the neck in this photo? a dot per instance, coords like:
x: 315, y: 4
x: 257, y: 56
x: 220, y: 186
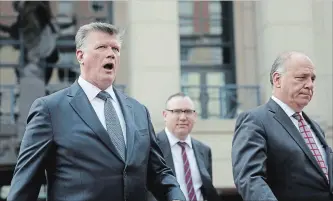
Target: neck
x: 101, y: 86
x: 181, y: 137
x: 291, y: 104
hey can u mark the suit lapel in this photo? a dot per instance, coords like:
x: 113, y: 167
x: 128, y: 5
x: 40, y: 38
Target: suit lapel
x: 199, y: 156
x: 81, y: 105
x: 207, y: 189
x: 127, y: 110
x: 204, y: 174
x: 165, y: 147
x: 288, y: 125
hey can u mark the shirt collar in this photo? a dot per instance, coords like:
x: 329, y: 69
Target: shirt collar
x: 173, y: 140
x: 91, y: 90
x: 285, y: 107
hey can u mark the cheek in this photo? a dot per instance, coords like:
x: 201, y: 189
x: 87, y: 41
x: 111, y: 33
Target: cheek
x: 171, y: 122
x: 94, y: 57
x: 299, y: 86
x: 191, y: 124
x: 88, y: 59
x: 296, y: 89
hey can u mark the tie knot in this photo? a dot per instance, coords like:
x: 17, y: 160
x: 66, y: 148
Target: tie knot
x: 103, y: 95
x: 297, y: 116
x: 182, y: 144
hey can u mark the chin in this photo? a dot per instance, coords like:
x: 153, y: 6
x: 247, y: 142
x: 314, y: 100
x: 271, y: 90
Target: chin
x: 302, y: 103
x: 106, y: 84
x: 108, y: 79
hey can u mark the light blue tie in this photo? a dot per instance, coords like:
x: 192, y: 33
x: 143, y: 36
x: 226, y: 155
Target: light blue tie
x: 112, y: 124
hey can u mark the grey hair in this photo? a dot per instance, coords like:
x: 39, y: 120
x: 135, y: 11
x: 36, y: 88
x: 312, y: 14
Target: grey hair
x: 84, y: 30
x: 279, y: 64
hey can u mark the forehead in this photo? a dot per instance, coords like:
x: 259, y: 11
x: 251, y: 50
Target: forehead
x: 180, y: 103
x: 100, y: 37
x: 301, y: 64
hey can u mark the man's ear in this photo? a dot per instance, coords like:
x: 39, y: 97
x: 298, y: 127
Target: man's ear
x: 79, y: 56
x: 195, y: 117
x: 277, y: 79
x: 164, y: 113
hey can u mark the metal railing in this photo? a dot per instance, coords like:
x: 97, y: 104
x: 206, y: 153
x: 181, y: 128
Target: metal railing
x: 223, y: 102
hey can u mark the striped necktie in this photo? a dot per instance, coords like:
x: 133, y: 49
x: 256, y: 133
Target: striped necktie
x: 187, y: 173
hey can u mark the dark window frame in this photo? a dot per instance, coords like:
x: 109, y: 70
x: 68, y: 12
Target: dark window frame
x: 225, y: 40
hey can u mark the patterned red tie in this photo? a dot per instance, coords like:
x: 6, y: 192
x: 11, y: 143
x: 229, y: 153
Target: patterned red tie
x: 187, y: 173
x: 309, y: 140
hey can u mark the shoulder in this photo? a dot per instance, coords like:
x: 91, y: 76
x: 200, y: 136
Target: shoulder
x: 200, y: 144
x: 55, y: 98
x: 257, y: 111
x: 257, y: 114
x: 160, y: 136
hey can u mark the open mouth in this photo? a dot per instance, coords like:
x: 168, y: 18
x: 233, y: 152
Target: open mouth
x: 108, y: 66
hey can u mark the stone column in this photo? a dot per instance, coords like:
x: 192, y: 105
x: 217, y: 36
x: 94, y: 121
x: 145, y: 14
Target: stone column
x: 152, y: 47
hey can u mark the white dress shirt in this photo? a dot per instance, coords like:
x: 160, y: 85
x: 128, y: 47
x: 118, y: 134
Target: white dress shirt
x: 179, y: 167
x: 98, y: 104
x: 290, y: 112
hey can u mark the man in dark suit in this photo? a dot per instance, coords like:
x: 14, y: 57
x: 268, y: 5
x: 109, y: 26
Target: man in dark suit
x: 190, y: 159
x: 278, y: 152
x: 94, y: 142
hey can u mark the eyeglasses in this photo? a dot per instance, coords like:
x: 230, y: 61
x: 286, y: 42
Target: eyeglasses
x: 179, y: 111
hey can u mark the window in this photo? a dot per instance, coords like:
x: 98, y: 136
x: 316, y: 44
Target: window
x: 185, y: 17
x: 65, y: 8
x: 215, y: 14
x: 207, y: 56
x: 64, y: 16
x: 201, y: 50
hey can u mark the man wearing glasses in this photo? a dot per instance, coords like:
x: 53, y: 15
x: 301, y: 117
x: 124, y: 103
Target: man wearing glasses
x: 190, y: 160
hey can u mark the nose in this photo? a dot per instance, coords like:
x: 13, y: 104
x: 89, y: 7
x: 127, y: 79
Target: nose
x: 309, y: 84
x: 182, y: 116
x: 111, y: 54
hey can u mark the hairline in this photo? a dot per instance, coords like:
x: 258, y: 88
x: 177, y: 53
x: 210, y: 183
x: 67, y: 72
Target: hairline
x: 84, y: 31
x: 279, y: 64
x: 178, y: 95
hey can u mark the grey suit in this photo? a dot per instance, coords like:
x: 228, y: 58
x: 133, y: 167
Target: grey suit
x: 65, y: 137
x: 271, y: 160
x: 203, y: 157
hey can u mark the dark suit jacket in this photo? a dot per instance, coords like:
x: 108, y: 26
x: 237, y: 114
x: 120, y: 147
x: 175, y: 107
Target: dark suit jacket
x: 65, y: 137
x: 203, y: 157
x: 271, y: 160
